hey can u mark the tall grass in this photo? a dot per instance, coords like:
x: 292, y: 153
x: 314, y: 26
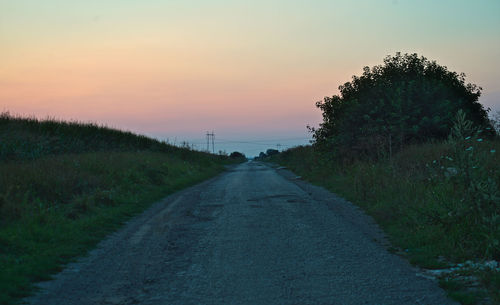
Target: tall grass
x: 30, y: 138
x: 64, y: 186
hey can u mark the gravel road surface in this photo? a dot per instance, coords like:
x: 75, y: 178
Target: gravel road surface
x: 252, y: 235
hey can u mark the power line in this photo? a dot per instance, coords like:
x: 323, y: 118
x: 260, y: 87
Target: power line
x: 266, y: 140
x: 210, y: 139
x: 260, y: 142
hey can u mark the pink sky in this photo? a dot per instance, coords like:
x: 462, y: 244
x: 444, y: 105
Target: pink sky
x: 249, y: 71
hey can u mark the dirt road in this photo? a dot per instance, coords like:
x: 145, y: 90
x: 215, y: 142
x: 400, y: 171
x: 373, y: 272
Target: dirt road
x: 253, y: 235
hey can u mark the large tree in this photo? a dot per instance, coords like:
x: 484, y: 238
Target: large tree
x: 407, y: 99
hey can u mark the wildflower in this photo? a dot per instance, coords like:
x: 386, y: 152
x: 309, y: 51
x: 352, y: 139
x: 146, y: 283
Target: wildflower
x: 468, y: 149
x: 434, y: 162
x: 479, y: 140
x: 467, y: 138
x: 492, y: 151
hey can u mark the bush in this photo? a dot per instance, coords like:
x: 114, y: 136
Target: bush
x: 237, y: 155
x: 409, y: 99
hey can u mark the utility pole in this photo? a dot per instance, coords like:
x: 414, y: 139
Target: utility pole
x: 213, y: 142
x: 211, y: 136
x: 208, y: 141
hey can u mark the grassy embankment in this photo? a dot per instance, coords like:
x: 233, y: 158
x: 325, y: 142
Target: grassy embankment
x: 439, y: 203
x: 64, y: 186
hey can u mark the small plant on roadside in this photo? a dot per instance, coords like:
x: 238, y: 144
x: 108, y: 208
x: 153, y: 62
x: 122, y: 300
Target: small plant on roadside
x: 481, y: 196
x: 467, y: 169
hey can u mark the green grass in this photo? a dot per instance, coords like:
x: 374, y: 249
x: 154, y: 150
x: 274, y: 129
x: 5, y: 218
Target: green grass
x: 426, y: 212
x: 58, y: 203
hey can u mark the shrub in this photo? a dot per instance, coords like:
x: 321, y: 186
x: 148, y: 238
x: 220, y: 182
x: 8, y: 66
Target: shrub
x: 409, y: 99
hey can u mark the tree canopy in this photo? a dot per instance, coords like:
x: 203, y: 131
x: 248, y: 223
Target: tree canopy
x: 407, y: 99
x: 237, y: 155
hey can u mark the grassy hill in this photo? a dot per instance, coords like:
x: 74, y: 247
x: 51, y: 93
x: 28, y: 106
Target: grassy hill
x: 66, y: 185
x: 30, y: 138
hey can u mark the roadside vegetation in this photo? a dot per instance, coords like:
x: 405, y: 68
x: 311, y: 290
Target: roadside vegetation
x: 409, y: 143
x: 65, y: 186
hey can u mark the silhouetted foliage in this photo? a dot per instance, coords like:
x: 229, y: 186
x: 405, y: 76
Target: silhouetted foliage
x: 271, y: 152
x: 408, y: 99
x: 237, y: 155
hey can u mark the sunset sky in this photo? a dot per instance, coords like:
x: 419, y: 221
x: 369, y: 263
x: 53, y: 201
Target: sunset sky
x: 250, y: 71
